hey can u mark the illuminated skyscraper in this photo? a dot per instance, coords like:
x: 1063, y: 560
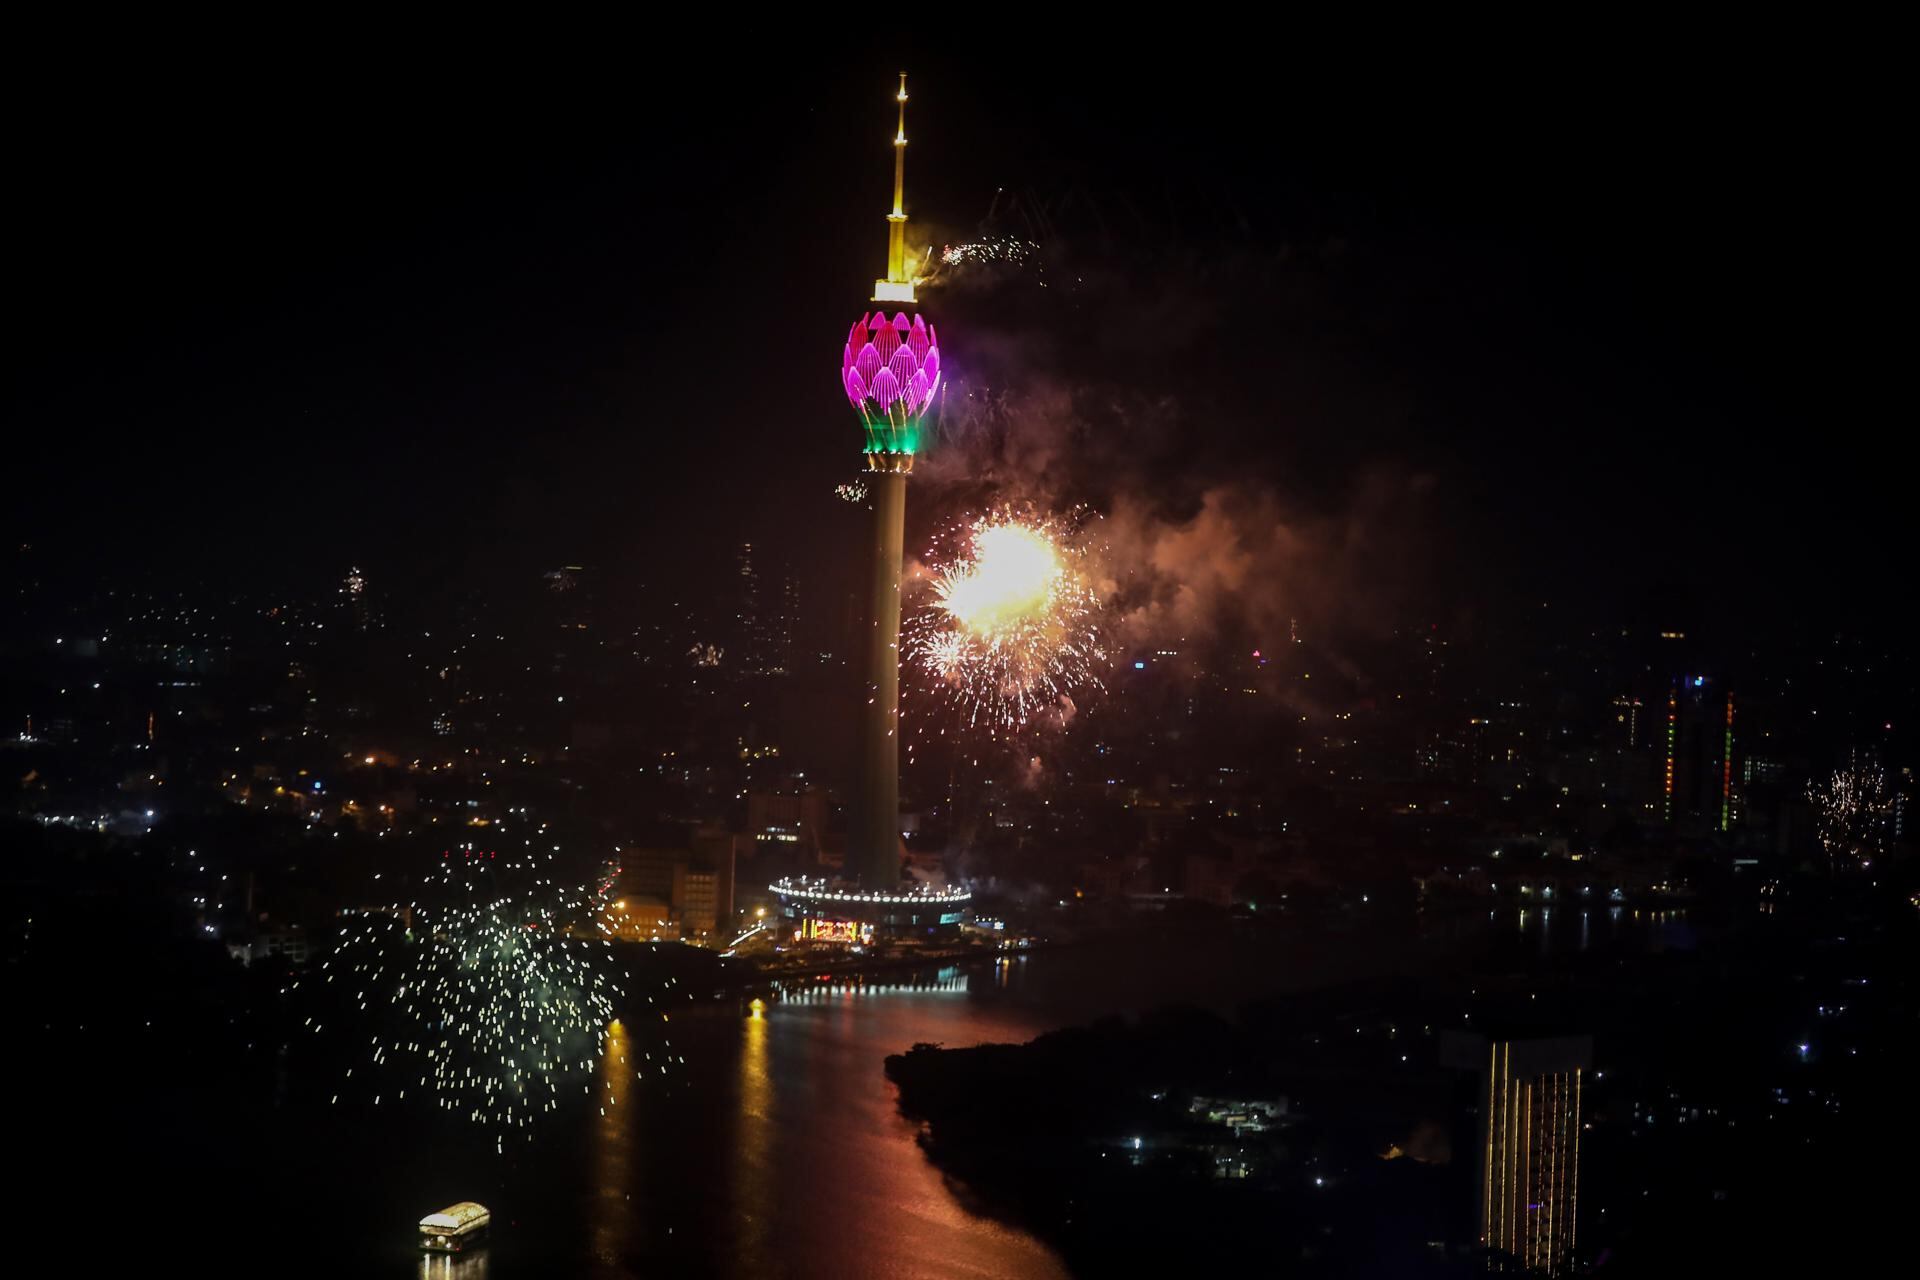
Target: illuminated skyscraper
x: 1699, y: 788
x: 1530, y: 1149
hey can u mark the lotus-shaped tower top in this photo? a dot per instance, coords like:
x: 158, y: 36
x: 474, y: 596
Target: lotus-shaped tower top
x: 891, y: 371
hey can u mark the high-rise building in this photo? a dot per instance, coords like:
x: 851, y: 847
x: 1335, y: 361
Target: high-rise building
x: 570, y: 590
x: 1627, y: 717
x: 567, y: 617
x: 1529, y: 1149
x: 1698, y: 779
x: 786, y: 613
x: 1439, y: 746
x: 746, y: 598
x: 766, y: 607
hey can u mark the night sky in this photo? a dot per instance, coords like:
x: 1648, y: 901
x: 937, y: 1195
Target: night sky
x: 450, y: 318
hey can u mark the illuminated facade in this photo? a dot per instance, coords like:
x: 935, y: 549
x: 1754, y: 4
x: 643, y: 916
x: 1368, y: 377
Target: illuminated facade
x: 890, y: 372
x: 1530, y: 1149
x: 1673, y: 737
x: 832, y: 911
x: 1700, y: 789
x: 821, y: 929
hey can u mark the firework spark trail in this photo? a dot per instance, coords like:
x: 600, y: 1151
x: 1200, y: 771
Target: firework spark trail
x: 494, y: 1004
x: 1011, y: 626
x: 1851, y: 809
x: 1008, y: 250
x: 988, y: 258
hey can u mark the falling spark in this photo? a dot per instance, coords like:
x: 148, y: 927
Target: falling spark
x: 1000, y: 250
x: 496, y: 1002
x: 1851, y: 809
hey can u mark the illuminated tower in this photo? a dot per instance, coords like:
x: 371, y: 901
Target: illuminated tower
x: 890, y: 370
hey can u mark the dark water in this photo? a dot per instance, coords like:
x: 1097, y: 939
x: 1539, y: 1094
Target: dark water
x: 775, y: 1149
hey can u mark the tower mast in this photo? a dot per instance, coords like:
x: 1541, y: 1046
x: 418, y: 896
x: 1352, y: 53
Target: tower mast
x: 898, y: 286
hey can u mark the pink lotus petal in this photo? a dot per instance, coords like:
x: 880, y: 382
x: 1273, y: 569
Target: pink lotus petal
x: 903, y: 364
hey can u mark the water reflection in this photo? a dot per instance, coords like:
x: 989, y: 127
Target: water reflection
x: 753, y: 1137
x: 949, y: 980
x: 449, y: 1266
x: 613, y: 1141
x: 849, y: 1186
x: 1619, y: 928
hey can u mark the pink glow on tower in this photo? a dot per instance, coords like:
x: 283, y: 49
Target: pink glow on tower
x: 890, y: 367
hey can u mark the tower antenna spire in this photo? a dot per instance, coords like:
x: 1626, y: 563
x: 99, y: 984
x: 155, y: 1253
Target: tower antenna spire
x: 898, y: 286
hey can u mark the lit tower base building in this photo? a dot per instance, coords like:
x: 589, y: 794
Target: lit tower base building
x: 839, y: 911
x: 890, y: 371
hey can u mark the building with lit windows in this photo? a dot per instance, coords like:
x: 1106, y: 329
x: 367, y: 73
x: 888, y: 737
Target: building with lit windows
x: 677, y: 880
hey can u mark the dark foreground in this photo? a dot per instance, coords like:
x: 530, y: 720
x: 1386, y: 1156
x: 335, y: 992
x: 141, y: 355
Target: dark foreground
x: 1745, y: 1102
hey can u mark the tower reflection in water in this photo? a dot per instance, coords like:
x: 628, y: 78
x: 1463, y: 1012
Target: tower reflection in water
x: 613, y: 1140
x: 753, y: 1140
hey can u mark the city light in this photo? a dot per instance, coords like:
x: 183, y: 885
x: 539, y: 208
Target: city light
x: 821, y: 891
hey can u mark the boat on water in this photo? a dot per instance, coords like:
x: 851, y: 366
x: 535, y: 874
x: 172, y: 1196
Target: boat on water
x: 456, y: 1228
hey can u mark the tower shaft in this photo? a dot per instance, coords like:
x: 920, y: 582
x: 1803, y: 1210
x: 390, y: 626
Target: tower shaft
x: 873, y: 849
